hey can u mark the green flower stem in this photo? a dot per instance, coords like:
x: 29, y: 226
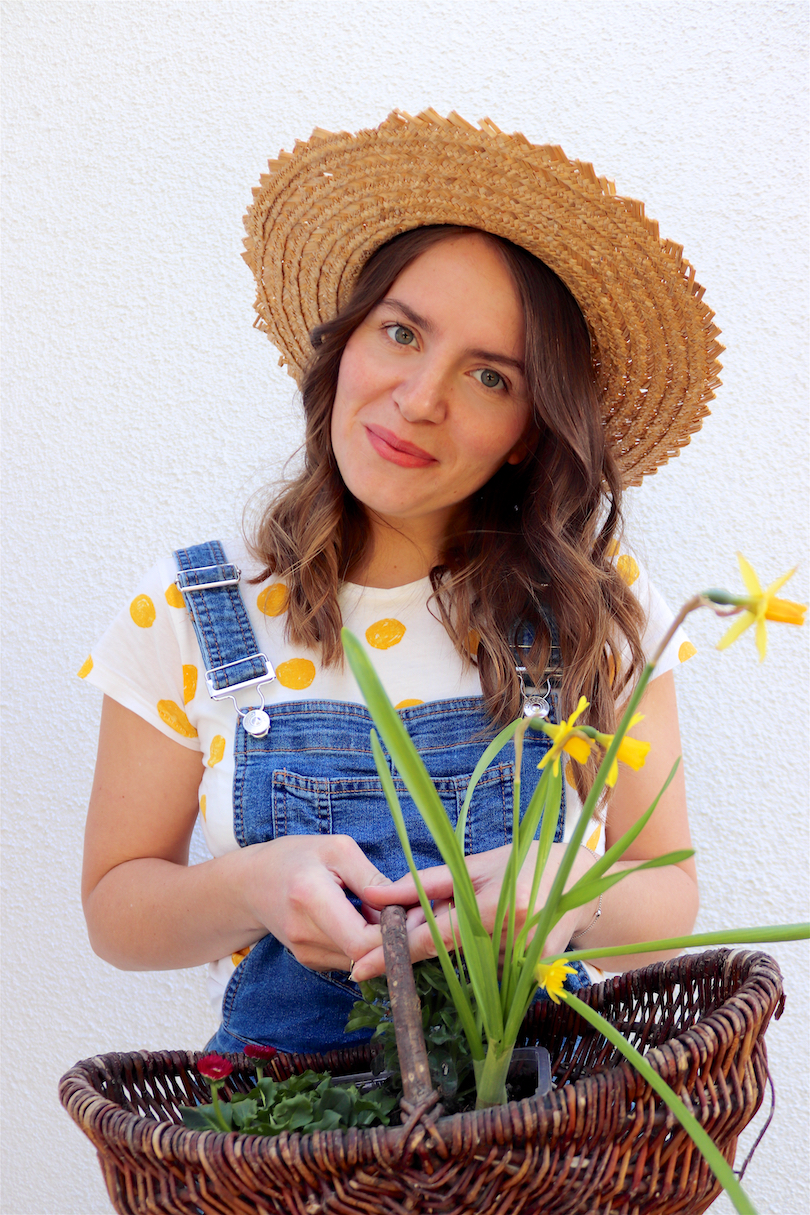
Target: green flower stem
x: 490, y: 1076
x: 733, y: 936
x: 726, y: 598
x: 216, y: 1085
x: 711, y: 1153
x: 550, y: 914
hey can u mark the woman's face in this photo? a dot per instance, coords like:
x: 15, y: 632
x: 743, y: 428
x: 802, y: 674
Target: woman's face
x: 431, y: 397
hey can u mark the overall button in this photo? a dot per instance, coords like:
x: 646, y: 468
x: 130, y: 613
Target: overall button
x: 256, y: 723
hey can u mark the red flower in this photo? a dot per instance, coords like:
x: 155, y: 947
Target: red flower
x: 260, y: 1052
x: 214, y: 1067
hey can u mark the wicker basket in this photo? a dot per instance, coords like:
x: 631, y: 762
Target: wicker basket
x: 600, y: 1142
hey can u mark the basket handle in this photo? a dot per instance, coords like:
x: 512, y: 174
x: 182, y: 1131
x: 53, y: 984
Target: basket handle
x: 406, y: 1009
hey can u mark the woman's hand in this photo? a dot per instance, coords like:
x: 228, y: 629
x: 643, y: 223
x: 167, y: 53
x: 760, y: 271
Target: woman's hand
x: 646, y: 906
x: 487, y: 871
x: 147, y: 909
x: 297, y: 888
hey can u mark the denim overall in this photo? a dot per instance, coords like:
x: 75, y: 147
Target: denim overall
x: 313, y: 773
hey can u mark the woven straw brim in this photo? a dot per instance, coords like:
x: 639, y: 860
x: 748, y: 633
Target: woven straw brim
x: 322, y: 210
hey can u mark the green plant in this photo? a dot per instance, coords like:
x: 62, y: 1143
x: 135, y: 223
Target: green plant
x: 311, y: 1101
x: 491, y: 1006
x: 448, y: 1051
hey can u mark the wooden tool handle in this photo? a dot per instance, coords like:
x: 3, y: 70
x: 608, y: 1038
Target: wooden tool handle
x: 405, y: 1008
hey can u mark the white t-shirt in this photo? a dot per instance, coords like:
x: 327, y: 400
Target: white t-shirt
x: 150, y: 662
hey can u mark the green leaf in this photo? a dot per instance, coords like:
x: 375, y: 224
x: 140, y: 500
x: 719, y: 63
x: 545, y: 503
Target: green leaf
x: 404, y: 754
x: 760, y: 935
x: 460, y: 997
x: 243, y: 1111
x: 711, y: 1153
x: 200, y: 1118
x: 617, y: 850
x: 586, y: 890
x: 497, y: 745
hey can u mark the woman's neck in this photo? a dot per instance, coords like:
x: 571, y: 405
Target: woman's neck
x: 394, y: 557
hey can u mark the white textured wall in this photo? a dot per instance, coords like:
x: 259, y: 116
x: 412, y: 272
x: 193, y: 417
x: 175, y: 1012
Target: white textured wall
x: 142, y: 407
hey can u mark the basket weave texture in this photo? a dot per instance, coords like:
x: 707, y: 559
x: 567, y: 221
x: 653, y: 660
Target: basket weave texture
x: 600, y: 1142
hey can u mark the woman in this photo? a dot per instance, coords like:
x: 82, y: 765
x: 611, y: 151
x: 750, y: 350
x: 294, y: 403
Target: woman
x: 470, y: 423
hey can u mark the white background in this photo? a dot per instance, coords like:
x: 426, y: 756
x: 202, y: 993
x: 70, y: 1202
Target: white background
x: 142, y: 409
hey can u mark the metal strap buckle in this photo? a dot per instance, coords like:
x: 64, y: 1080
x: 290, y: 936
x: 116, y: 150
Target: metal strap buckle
x: 535, y: 702
x: 182, y: 584
x: 219, y: 693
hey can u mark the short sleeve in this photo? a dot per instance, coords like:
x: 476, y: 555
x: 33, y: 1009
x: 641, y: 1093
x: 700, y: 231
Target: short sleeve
x: 148, y: 660
x: 658, y: 616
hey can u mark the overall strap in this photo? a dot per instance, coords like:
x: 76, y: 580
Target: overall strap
x: 536, y: 696
x: 209, y: 583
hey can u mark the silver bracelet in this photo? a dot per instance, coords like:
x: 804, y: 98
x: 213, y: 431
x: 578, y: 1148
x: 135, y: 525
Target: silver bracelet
x: 596, y: 916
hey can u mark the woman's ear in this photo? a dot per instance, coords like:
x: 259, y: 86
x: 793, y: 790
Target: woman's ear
x: 518, y: 453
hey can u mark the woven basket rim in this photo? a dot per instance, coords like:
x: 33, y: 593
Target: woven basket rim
x: 82, y: 1100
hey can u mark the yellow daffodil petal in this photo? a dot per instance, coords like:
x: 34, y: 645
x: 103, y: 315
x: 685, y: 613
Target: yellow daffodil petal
x: 739, y: 626
x: 770, y: 591
x: 748, y: 576
x: 552, y: 976
x: 578, y: 748
x: 762, y: 640
x: 785, y: 611
x: 613, y: 774
x: 560, y: 736
x: 633, y: 752
x: 762, y: 606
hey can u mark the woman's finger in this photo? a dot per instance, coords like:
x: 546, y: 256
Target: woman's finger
x: 437, y: 883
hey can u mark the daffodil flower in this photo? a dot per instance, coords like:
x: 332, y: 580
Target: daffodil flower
x: 565, y: 737
x: 761, y: 606
x: 632, y: 751
x: 552, y: 976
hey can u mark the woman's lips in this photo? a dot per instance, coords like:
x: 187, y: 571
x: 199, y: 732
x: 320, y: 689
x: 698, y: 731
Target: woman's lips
x: 397, y: 451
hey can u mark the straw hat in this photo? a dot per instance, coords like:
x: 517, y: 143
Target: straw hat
x: 322, y: 210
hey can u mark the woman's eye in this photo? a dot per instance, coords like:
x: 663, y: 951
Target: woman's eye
x: 489, y: 378
x: 401, y: 334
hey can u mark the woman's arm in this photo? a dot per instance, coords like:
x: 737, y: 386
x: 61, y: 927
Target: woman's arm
x: 655, y: 903
x: 644, y: 906
x: 147, y: 909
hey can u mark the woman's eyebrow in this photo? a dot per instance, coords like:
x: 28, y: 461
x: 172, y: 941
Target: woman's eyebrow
x: 490, y: 356
x: 414, y: 317
x: 486, y: 356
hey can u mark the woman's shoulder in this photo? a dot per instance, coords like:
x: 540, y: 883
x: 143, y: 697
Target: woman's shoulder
x: 658, y: 615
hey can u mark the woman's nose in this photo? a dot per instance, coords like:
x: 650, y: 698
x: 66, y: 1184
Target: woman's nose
x: 423, y: 395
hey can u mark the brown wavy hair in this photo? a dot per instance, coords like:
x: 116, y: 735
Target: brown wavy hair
x: 538, y: 538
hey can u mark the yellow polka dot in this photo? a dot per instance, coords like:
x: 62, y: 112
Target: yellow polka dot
x: 189, y: 682
x: 569, y: 776
x: 217, y: 750
x: 611, y: 669
x: 613, y: 548
x: 473, y: 641
x: 273, y: 599
x: 685, y: 651
x: 86, y: 667
x: 385, y: 633
x: 240, y: 955
x: 173, y: 596
x: 174, y: 716
x: 408, y: 704
x: 296, y: 673
x: 202, y: 805
x: 142, y: 611
x: 593, y: 841
x: 627, y: 568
